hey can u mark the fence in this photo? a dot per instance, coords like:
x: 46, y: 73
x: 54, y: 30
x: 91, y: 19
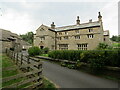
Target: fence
x: 31, y: 71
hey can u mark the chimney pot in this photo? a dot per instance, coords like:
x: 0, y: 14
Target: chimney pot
x: 90, y: 20
x: 53, y: 25
x: 78, y: 20
x: 99, y: 16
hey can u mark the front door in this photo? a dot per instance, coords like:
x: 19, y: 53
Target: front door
x: 41, y: 47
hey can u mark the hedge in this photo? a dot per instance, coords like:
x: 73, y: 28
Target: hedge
x: 72, y: 55
x: 101, y: 57
x: 32, y: 51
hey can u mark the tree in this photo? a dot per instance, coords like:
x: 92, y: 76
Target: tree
x: 32, y: 51
x: 103, y: 46
x: 28, y: 37
x: 115, y: 38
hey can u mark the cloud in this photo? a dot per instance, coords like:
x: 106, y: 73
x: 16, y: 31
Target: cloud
x: 19, y: 17
x: 23, y: 16
x: 110, y: 17
x: 16, y: 22
x: 58, y: 0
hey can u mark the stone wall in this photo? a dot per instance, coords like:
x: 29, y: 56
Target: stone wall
x: 44, y: 37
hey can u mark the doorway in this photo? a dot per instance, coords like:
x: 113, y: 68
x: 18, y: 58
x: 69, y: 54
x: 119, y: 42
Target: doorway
x: 41, y: 47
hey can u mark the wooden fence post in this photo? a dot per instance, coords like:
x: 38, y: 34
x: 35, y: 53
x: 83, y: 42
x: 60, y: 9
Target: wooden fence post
x: 17, y: 59
x: 6, y: 51
x: 21, y: 58
x: 10, y: 54
x: 39, y: 73
x: 28, y: 61
x: 14, y: 56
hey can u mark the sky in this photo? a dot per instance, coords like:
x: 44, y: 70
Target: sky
x: 27, y: 15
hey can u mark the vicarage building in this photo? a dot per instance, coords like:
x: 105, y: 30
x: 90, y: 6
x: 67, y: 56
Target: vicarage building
x: 81, y: 36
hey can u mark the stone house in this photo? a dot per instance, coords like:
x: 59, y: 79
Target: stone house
x: 9, y: 40
x: 81, y: 36
x: 25, y: 45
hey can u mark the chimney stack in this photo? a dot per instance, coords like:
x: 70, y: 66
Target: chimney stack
x: 52, y: 25
x: 90, y: 20
x: 78, y: 21
x: 99, y: 17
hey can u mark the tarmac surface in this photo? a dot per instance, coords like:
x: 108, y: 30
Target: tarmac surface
x: 69, y: 78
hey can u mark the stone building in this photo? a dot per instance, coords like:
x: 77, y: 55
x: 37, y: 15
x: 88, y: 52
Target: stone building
x: 9, y: 40
x: 81, y: 36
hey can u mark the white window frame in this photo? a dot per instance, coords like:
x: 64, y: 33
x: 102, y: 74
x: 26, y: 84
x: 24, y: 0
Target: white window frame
x: 90, y: 30
x: 83, y: 46
x: 66, y: 37
x: 77, y: 37
x: 90, y: 36
x: 66, y: 32
x: 63, y: 46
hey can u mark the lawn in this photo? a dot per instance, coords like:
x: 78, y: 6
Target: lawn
x: 48, y: 84
x: 116, y: 44
x: 45, y: 55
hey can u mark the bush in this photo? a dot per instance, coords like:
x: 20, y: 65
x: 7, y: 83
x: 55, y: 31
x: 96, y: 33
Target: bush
x: 108, y: 57
x: 104, y: 46
x: 72, y: 55
x: 95, y: 58
x: 113, y: 58
x: 97, y: 64
x: 86, y: 56
x: 34, y: 51
x: 70, y: 66
x: 45, y: 50
x: 79, y: 64
x: 63, y: 64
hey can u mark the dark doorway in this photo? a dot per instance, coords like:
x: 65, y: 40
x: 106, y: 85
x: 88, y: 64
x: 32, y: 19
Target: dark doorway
x: 41, y: 47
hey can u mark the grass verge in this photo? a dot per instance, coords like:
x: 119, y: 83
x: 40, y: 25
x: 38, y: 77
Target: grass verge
x: 48, y: 84
x: 7, y: 62
x: 45, y: 55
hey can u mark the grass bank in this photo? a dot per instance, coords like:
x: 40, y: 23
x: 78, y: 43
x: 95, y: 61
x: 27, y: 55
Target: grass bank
x: 7, y: 62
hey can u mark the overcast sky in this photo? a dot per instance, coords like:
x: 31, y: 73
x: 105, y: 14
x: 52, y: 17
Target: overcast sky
x: 23, y: 16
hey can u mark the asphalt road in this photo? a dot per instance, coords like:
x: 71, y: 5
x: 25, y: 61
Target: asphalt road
x: 69, y: 78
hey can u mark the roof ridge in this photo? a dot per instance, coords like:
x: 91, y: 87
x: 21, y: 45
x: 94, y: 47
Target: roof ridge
x: 65, y: 26
x: 45, y: 25
x: 83, y: 25
x: 77, y: 25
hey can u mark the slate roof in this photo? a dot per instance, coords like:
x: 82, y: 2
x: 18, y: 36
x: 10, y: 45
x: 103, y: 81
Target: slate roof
x: 71, y: 27
x: 74, y: 27
x: 5, y: 34
x: 25, y: 43
x: 84, y: 25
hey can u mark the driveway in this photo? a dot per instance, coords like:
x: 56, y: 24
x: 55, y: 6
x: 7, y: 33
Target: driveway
x: 69, y: 78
